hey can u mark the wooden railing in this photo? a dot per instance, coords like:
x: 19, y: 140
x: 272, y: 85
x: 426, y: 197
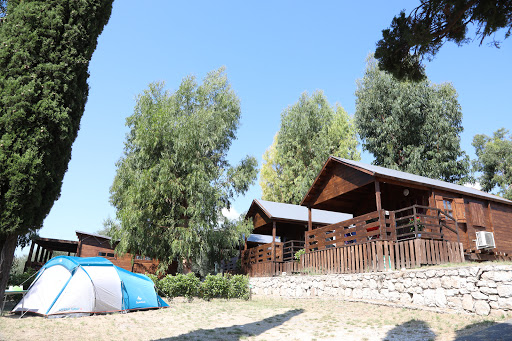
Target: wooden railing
x: 290, y: 248
x: 353, y: 231
x: 423, y: 222
x: 268, y: 269
x: 230, y: 265
x: 408, y: 223
x: 263, y: 253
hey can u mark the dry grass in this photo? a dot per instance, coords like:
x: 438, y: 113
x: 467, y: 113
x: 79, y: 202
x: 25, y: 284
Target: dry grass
x: 258, y: 319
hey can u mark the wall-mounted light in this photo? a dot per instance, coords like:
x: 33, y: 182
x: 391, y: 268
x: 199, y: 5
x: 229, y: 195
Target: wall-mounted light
x: 406, y: 192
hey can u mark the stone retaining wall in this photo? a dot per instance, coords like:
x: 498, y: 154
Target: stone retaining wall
x: 474, y: 289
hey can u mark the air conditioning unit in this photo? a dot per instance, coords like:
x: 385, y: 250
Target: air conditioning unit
x: 485, y: 240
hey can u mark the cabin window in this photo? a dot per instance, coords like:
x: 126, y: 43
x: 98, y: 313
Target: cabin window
x: 110, y: 255
x: 447, y: 203
x: 138, y: 257
x: 102, y: 254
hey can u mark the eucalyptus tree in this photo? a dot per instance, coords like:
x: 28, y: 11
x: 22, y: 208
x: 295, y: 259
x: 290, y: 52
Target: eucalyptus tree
x: 419, y: 35
x: 45, y: 51
x: 412, y: 127
x: 494, y: 161
x: 174, y: 177
x: 311, y: 130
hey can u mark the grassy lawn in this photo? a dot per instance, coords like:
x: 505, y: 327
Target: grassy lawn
x: 258, y: 319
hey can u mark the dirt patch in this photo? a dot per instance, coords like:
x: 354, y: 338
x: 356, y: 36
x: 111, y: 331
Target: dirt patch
x: 258, y: 319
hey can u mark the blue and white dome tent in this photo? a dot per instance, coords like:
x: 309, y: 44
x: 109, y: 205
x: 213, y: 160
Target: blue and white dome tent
x: 73, y: 285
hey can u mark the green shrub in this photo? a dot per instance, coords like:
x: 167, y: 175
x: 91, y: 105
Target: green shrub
x: 239, y: 287
x: 189, y: 286
x: 298, y: 254
x: 158, y: 283
x: 180, y: 285
x: 215, y: 287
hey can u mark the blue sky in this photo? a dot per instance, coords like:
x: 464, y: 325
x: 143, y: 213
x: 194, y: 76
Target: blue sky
x: 273, y: 51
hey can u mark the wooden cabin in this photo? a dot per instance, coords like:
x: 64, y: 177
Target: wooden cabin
x: 393, y: 205
x: 286, y: 222
x: 95, y: 245
x: 388, y: 220
x: 90, y: 245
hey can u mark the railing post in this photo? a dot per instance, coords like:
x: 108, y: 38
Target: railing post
x: 382, y: 224
x: 457, y: 227
x: 392, y: 225
x: 415, y: 222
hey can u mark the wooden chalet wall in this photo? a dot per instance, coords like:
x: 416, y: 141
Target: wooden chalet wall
x: 94, y: 246
x: 474, y: 215
x: 501, y: 220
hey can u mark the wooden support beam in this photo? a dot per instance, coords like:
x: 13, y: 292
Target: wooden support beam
x: 29, y: 258
x: 36, y: 257
x: 310, y: 219
x: 273, y: 240
x: 41, y: 256
x: 377, y: 195
x: 378, y: 203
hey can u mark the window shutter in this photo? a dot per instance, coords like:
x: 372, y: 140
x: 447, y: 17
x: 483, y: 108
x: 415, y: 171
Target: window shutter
x: 477, y: 214
x: 439, y: 202
x: 459, y: 210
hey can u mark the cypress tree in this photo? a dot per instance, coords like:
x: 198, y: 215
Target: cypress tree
x: 45, y: 49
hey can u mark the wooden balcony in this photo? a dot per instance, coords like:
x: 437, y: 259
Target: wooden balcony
x: 290, y: 248
x: 408, y: 223
x: 284, y: 252
x: 377, y: 241
x: 263, y: 253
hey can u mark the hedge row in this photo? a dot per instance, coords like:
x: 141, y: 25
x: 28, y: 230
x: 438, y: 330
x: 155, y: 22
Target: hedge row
x: 189, y: 286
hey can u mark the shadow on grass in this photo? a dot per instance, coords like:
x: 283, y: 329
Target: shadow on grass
x: 411, y: 330
x: 237, y: 332
x: 486, y: 330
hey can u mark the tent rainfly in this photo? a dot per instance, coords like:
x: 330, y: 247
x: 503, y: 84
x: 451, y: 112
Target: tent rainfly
x: 83, y: 286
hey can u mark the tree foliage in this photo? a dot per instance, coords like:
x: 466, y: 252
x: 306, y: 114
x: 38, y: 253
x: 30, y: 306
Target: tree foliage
x: 220, y: 244
x: 412, y: 127
x: 45, y: 51
x: 494, y: 160
x: 311, y: 130
x: 421, y: 34
x: 174, y: 178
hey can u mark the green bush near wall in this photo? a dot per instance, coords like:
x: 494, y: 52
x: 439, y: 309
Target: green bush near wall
x: 214, y: 286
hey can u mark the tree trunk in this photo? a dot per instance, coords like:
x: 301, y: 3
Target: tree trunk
x: 8, y: 246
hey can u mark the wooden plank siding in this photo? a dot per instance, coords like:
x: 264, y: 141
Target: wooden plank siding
x: 342, y: 180
x: 501, y: 216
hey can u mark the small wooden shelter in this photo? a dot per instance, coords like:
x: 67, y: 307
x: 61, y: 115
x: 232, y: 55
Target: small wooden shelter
x: 90, y: 245
x: 44, y: 248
